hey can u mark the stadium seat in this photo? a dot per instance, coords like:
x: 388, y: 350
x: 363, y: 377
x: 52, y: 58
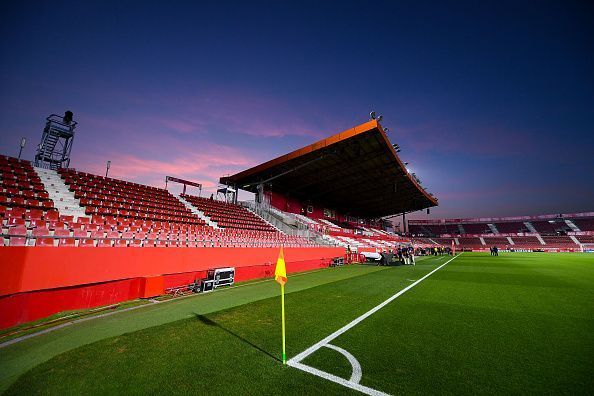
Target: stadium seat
x: 17, y: 241
x: 44, y: 242
x: 104, y: 243
x: 86, y: 242
x: 67, y: 242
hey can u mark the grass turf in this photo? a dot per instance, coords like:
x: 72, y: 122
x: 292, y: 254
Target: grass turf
x: 517, y: 323
x: 18, y: 358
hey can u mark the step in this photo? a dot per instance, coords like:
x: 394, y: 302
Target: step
x: 511, y: 241
x: 197, y: 212
x: 264, y: 220
x: 59, y: 193
x: 572, y: 225
x: 531, y: 227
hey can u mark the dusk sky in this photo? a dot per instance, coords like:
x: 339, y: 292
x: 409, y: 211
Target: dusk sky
x: 491, y: 102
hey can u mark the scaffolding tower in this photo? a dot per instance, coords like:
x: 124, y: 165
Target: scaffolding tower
x: 56, y: 142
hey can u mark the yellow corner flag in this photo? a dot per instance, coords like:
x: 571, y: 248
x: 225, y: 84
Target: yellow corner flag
x: 280, y: 275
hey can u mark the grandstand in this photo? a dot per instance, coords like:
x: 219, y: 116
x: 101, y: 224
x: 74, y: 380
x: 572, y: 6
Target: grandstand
x: 54, y: 211
x: 558, y: 232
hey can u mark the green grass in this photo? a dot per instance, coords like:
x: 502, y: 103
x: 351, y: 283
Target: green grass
x: 517, y: 323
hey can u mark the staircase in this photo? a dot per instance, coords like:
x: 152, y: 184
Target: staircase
x: 197, y: 212
x: 457, y: 241
x: 530, y: 227
x: 461, y: 229
x: 482, y: 241
x: 542, y: 242
x: 263, y: 219
x: 574, y: 239
x: 58, y: 192
x: 511, y: 241
x: 493, y: 229
x: 572, y: 225
x: 293, y: 228
x: 49, y: 144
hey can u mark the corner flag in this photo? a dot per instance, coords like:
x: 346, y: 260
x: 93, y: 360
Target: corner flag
x: 280, y: 275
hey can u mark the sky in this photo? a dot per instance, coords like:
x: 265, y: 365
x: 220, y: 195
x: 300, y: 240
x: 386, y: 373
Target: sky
x: 492, y: 103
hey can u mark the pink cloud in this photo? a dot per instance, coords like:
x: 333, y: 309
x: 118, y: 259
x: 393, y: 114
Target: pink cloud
x: 205, y: 166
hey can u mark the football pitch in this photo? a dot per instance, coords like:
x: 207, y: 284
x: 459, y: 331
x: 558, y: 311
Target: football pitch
x: 473, y: 324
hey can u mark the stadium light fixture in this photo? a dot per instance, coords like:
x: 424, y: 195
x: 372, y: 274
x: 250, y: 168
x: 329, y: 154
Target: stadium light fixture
x: 108, y: 165
x: 406, y: 163
x: 386, y: 130
x: 372, y: 116
x: 23, y: 142
x: 380, y: 118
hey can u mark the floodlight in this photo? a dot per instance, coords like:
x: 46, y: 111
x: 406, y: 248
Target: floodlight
x: 372, y: 115
x: 380, y: 118
x: 23, y: 142
x: 386, y: 130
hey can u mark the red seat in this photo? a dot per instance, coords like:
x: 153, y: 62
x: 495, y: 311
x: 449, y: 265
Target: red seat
x: 17, y: 230
x: 103, y: 243
x: 66, y: 219
x: 15, y: 221
x: 86, y: 242
x: 52, y: 215
x: 61, y: 232
x: 17, y: 241
x: 41, y: 232
x: 67, y: 242
x: 80, y: 234
x: 135, y: 243
x: 120, y: 243
x: 44, y: 242
x: 98, y: 234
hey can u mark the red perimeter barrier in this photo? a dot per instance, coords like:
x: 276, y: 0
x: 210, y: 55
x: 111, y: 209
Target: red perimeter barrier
x: 39, y: 281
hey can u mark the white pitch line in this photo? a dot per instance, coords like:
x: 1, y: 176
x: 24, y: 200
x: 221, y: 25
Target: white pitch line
x: 295, y: 361
x: 357, y: 372
x: 338, y: 380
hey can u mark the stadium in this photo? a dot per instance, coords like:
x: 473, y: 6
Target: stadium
x: 323, y: 266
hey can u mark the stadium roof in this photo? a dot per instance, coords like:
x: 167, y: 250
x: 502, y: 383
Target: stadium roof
x: 356, y: 172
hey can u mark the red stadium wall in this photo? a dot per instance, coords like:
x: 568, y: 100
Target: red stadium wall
x: 293, y: 205
x: 40, y: 281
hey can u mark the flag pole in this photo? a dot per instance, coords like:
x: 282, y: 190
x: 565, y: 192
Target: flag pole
x: 283, y: 320
x: 280, y: 275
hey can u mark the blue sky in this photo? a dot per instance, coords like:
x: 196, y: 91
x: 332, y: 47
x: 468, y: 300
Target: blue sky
x: 491, y: 102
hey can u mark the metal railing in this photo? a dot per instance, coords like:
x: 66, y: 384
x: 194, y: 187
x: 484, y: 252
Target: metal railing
x: 279, y: 220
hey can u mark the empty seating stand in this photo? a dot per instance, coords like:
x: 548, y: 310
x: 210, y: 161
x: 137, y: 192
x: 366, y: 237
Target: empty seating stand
x: 122, y: 199
x: 121, y: 215
x: 24, y: 202
x: 228, y: 215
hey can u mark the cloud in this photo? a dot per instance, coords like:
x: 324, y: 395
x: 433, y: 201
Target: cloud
x: 205, y: 166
